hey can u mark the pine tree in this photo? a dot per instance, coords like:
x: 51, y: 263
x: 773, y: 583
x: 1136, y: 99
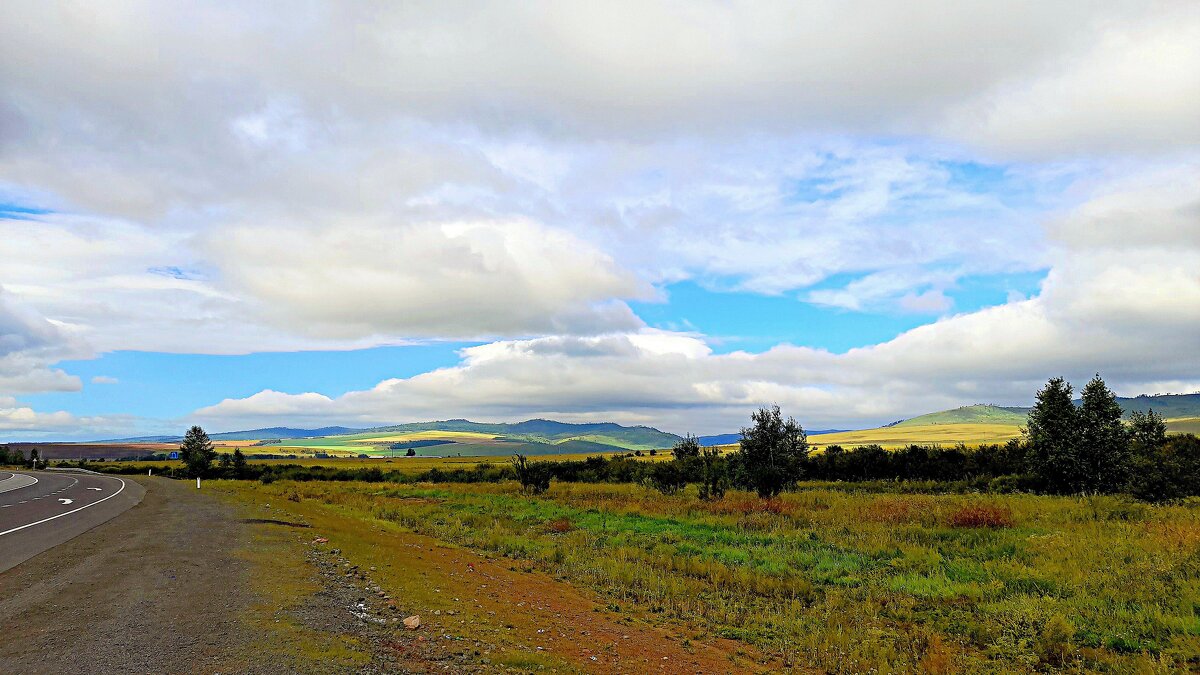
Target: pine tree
x: 1053, y: 437
x: 772, y: 452
x: 687, y: 447
x: 1103, y: 441
x: 197, y: 452
x: 239, y: 463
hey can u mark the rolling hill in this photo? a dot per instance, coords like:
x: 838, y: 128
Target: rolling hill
x: 972, y: 424
x: 1169, y: 406
x: 550, y: 432
x: 970, y: 414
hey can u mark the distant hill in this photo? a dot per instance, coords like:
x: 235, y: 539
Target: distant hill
x: 282, y: 432
x: 1170, y: 406
x: 730, y: 439
x: 249, y: 435
x: 1167, y: 405
x: 594, y: 435
x: 970, y: 414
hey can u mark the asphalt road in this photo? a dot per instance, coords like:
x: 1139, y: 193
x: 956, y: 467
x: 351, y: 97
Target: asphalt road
x: 42, y: 509
x: 163, y: 588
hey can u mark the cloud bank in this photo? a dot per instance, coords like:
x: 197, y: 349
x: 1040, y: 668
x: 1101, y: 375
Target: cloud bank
x: 225, y: 178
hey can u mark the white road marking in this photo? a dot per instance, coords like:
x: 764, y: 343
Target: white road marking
x: 65, y: 501
x: 17, y: 481
x: 96, y: 489
x: 16, y: 529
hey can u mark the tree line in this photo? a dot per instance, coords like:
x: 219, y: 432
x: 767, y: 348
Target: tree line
x: 14, y: 457
x: 1065, y: 449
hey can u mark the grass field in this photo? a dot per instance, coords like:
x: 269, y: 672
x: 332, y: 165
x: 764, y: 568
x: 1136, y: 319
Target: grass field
x: 830, y: 580
x: 1184, y: 425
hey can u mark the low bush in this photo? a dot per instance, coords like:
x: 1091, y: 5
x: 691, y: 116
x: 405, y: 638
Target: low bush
x: 982, y: 516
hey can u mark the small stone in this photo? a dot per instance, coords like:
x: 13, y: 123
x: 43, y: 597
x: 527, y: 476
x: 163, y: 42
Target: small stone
x: 413, y: 622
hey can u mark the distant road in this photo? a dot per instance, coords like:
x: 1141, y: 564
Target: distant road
x: 40, y: 510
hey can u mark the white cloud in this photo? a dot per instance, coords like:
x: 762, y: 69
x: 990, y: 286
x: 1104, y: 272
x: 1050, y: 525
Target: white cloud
x: 1129, y: 310
x: 105, y: 379
x: 230, y: 178
x: 1135, y: 88
x: 18, y: 419
x: 462, y: 279
x: 29, y: 345
x: 737, y: 144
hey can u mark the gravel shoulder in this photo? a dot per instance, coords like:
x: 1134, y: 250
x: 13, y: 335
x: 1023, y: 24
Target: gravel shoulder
x: 156, y: 589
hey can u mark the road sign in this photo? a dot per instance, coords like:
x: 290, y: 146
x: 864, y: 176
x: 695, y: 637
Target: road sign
x: 173, y: 455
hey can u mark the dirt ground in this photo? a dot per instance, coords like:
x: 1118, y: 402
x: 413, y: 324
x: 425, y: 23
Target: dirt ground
x: 488, y: 613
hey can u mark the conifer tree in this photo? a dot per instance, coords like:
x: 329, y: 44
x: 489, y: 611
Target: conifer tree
x: 1053, y: 438
x: 239, y: 463
x: 197, y: 452
x: 1103, y: 441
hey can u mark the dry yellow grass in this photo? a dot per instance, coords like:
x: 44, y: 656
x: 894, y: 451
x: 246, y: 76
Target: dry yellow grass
x: 942, y: 434
x: 424, y: 436
x: 1184, y: 425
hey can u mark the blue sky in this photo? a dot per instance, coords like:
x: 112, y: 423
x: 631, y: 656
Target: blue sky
x: 589, y: 215
x: 169, y: 386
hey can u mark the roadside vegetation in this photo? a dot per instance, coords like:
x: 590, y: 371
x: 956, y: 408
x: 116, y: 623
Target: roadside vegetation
x: 845, y: 581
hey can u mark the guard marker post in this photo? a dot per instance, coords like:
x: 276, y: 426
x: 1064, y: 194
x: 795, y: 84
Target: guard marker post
x: 197, y: 482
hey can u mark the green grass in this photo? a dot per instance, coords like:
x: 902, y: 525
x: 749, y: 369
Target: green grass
x: 975, y: 414
x: 847, y: 581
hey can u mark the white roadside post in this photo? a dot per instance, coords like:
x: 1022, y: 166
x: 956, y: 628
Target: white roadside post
x: 197, y: 482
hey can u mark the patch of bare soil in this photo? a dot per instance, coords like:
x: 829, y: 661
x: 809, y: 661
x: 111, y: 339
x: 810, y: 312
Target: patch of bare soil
x: 481, y: 613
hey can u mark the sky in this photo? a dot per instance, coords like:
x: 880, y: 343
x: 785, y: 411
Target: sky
x: 244, y: 215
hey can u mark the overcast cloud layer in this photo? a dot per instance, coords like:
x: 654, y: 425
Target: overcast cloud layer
x: 231, y: 178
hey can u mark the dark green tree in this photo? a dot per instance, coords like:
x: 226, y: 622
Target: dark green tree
x: 714, y: 474
x: 1104, y: 453
x: 772, y: 452
x: 1167, y: 471
x: 667, y: 477
x: 1146, y: 430
x: 686, y: 448
x: 197, y: 452
x: 1053, y: 437
x: 224, y: 462
x: 238, y: 463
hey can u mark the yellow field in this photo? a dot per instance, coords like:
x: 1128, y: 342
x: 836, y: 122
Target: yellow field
x: 1184, y: 425
x: 929, y: 434
x: 425, y: 436
x: 407, y: 464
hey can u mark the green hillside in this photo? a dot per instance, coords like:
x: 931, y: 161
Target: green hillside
x: 1169, y: 406
x: 601, y: 434
x: 971, y: 414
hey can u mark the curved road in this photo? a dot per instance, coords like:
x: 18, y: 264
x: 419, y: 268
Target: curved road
x: 42, y: 509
